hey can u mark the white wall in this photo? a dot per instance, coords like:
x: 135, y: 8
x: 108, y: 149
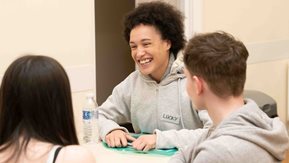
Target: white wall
x: 62, y: 29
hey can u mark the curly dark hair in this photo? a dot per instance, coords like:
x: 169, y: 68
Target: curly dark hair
x: 164, y: 17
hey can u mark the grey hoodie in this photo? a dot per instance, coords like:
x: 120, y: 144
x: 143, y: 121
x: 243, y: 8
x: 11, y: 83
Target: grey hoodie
x: 246, y: 136
x: 149, y: 105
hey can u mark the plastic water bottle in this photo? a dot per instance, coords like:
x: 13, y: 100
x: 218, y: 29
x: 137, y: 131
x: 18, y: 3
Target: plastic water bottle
x: 90, y: 118
x: 95, y: 134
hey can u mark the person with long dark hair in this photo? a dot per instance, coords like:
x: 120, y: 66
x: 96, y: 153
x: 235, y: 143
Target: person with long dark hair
x: 36, y: 114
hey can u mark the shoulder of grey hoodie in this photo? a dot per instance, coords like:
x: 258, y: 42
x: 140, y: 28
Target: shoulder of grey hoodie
x: 116, y: 109
x: 247, y: 135
x: 251, y: 124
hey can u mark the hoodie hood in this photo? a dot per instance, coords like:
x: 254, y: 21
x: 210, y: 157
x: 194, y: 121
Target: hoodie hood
x: 251, y: 124
x: 178, y: 64
x: 174, y: 71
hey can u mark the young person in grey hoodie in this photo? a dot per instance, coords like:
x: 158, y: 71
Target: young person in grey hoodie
x: 153, y: 97
x: 215, y: 66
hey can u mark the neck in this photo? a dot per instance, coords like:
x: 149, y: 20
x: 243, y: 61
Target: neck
x: 163, y: 69
x: 220, y: 108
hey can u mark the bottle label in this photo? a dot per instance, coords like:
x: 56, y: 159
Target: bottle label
x: 86, y: 115
x: 96, y: 114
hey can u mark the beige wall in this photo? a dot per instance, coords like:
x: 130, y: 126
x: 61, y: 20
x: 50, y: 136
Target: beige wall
x: 263, y: 25
x: 176, y: 3
x: 251, y: 21
x: 62, y: 29
x: 271, y: 78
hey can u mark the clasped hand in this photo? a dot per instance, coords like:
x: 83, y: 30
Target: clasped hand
x: 119, y: 138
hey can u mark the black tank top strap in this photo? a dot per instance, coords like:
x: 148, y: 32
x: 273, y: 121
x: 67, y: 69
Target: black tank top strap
x: 56, y: 154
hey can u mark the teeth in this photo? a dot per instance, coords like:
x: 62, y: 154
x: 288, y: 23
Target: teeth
x: 145, y: 61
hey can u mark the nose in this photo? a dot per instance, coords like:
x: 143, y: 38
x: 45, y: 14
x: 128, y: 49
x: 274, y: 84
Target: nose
x: 140, y: 52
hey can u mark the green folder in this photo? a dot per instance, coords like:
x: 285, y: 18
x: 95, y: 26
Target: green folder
x: 129, y: 149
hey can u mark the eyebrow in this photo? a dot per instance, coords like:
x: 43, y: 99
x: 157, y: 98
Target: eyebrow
x: 142, y: 40
x: 146, y: 39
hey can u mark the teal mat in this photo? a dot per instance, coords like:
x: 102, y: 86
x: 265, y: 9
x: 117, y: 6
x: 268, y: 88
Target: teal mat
x: 130, y: 149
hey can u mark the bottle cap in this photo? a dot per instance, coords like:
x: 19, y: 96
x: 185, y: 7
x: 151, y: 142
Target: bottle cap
x: 90, y: 95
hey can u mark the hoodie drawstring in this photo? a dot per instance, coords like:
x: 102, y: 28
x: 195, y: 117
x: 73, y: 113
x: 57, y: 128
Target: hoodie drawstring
x: 179, y: 103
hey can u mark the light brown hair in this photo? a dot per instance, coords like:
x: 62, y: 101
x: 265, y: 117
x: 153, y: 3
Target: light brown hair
x: 220, y: 60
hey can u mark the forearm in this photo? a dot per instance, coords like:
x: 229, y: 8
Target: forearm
x: 105, y: 126
x: 177, y: 138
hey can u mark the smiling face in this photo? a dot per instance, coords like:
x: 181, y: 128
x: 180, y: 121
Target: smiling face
x: 149, y: 51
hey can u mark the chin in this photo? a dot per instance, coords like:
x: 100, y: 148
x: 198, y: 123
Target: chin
x: 196, y: 107
x: 145, y: 71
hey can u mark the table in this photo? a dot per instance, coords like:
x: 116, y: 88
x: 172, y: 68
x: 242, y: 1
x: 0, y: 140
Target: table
x: 104, y: 155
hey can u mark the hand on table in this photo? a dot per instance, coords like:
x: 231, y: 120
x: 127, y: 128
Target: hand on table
x: 145, y: 142
x: 118, y: 138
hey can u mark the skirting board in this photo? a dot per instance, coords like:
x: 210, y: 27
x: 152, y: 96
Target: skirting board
x: 81, y: 77
x: 268, y: 51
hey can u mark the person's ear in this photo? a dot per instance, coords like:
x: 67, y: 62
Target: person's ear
x: 168, y: 44
x: 199, y: 85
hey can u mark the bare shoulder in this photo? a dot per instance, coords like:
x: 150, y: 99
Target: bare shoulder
x: 76, y: 154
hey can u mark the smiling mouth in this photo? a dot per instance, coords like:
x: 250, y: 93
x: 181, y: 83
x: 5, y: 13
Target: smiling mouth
x: 145, y: 61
